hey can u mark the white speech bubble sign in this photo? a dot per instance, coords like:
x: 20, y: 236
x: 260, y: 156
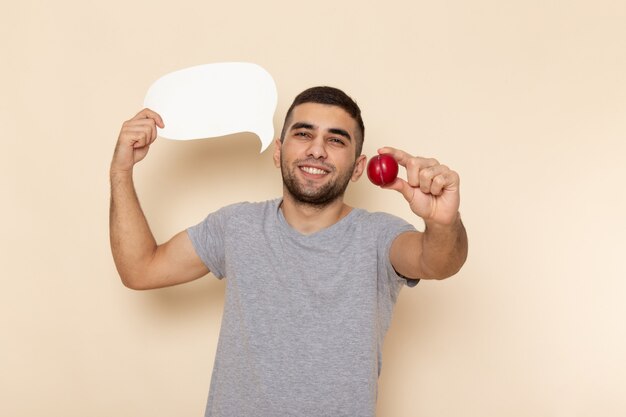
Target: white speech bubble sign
x: 213, y: 100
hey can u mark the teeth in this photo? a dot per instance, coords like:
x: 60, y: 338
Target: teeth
x: 312, y: 170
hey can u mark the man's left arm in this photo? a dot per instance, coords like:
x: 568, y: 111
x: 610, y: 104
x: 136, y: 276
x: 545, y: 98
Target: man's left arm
x: 432, y: 191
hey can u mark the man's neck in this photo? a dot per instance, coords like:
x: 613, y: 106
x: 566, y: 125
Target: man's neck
x: 308, y: 219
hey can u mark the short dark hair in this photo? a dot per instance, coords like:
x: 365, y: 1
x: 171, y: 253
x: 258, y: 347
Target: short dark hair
x: 333, y: 97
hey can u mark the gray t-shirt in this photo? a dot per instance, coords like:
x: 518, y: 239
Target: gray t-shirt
x: 304, y: 315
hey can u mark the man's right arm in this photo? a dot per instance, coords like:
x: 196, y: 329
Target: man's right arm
x: 141, y: 263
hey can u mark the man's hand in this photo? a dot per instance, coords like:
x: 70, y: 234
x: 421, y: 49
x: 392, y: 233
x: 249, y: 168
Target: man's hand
x: 431, y: 189
x: 135, y: 138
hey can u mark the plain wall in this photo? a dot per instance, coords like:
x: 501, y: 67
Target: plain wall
x: 525, y: 99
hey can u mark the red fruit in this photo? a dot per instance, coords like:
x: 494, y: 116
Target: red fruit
x: 382, y: 169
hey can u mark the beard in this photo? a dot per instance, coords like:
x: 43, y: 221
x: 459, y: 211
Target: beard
x: 308, y: 194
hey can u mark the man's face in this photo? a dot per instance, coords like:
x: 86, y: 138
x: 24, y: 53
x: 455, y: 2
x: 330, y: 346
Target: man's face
x: 317, y: 157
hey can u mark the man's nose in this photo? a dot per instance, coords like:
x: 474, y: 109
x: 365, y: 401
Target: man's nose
x: 317, y: 148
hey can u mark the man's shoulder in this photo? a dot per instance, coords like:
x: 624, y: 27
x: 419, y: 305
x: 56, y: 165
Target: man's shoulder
x: 379, y: 222
x: 247, y: 208
x: 376, y: 216
x: 242, y: 215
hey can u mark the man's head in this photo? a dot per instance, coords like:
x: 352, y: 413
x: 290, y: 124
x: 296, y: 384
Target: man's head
x: 333, y: 97
x: 319, y: 151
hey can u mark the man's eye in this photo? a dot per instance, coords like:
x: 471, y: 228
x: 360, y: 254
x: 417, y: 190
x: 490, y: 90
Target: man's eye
x: 337, y: 141
x: 303, y: 134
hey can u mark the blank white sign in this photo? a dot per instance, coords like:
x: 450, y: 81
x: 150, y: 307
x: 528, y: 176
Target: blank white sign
x: 213, y: 100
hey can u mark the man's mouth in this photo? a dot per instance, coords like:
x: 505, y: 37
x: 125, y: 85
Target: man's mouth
x: 313, y: 170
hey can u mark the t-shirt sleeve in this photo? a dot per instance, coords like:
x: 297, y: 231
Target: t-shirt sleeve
x: 208, y: 239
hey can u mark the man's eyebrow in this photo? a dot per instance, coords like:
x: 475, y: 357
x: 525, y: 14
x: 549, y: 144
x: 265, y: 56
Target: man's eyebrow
x: 333, y: 130
x: 302, y: 125
x: 340, y: 132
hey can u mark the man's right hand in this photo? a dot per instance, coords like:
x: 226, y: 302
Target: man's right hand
x: 134, y: 141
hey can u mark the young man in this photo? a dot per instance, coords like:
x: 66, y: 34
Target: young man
x: 311, y: 282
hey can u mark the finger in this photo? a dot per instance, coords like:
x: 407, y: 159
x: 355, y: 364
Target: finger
x: 153, y: 133
x: 442, y: 180
x: 414, y: 166
x: 415, y: 169
x: 400, y: 156
x: 149, y: 125
x: 140, y: 122
x: 446, y: 181
x: 137, y: 136
x: 139, y: 140
x: 428, y: 174
x: 149, y: 114
x: 157, y: 121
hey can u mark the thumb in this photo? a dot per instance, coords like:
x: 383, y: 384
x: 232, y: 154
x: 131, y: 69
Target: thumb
x: 402, y: 187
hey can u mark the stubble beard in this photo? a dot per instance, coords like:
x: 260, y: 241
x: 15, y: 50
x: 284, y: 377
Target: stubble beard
x: 316, y: 197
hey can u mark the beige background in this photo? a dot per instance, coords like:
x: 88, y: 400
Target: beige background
x: 526, y: 99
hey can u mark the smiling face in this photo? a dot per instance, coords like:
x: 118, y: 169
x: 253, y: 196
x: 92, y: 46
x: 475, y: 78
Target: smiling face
x: 317, y: 155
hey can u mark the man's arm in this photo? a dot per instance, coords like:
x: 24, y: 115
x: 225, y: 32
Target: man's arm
x: 437, y: 253
x: 432, y: 191
x: 141, y: 263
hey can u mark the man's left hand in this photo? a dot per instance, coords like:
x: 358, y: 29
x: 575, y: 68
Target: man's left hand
x: 431, y: 189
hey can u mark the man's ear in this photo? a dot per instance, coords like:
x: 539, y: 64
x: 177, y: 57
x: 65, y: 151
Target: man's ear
x: 359, y: 167
x: 277, y: 146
